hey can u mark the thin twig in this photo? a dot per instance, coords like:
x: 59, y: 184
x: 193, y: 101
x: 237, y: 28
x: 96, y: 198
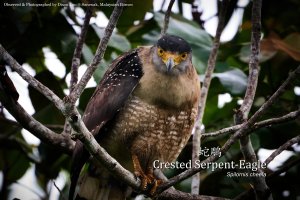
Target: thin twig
x: 196, y: 14
x: 254, y: 62
x: 78, y: 50
x: 258, y: 182
x: 99, y: 52
x: 76, y: 59
x: 269, y: 122
x: 47, y: 136
x: 223, y: 131
x: 273, y: 121
x: 283, y: 147
x: 204, y: 92
x: 249, y: 194
x: 244, y: 130
x: 284, y: 168
x: 167, y: 18
x: 162, y: 5
x: 292, y: 76
x: 195, y: 184
x: 211, y: 62
x: 59, y: 190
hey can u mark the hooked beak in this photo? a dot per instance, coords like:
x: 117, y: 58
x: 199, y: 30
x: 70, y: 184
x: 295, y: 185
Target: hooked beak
x: 170, y: 64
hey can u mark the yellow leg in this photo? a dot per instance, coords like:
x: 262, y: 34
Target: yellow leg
x: 138, y: 171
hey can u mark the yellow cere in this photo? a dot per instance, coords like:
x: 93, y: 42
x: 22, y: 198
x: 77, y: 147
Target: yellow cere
x: 165, y: 55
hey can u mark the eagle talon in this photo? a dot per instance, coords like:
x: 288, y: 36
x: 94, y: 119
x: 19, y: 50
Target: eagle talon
x: 137, y: 174
x: 149, y: 185
x: 157, y: 182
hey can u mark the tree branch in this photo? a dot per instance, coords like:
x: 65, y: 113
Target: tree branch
x: 292, y: 76
x: 254, y: 62
x: 284, y: 168
x: 68, y: 113
x: 78, y: 89
x: 71, y: 114
x: 197, y: 14
x: 167, y: 18
x: 172, y: 194
x: 249, y: 194
x: 269, y: 122
x: 259, y: 183
x: 282, y: 148
x: 244, y: 130
x: 62, y: 141
x: 204, y: 92
x: 78, y: 50
x: 76, y: 58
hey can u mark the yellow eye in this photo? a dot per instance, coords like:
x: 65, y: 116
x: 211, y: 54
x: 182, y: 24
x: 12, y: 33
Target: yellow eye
x: 183, y: 56
x: 160, y: 51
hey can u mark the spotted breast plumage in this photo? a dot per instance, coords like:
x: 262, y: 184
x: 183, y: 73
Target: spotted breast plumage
x: 143, y: 110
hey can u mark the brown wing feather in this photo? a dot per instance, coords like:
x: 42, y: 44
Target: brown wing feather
x: 112, y: 92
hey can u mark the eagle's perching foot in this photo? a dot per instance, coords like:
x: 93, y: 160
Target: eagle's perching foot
x: 149, y: 182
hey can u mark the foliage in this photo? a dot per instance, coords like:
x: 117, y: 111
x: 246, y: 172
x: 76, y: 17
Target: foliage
x: 25, y: 31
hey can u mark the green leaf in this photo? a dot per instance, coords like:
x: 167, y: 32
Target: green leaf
x: 48, y: 79
x: 233, y: 80
x: 264, y: 55
x: 135, y: 11
x: 52, y: 162
x: 46, y: 112
x: 49, y: 114
x: 211, y: 109
x: 116, y: 41
x: 17, y: 164
x: 216, y: 118
x: 186, y: 29
x: 38, y: 61
x: 61, y: 39
x: 136, y: 33
x: 87, y: 54
x: 85, y: 97
x: 255, y: 141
